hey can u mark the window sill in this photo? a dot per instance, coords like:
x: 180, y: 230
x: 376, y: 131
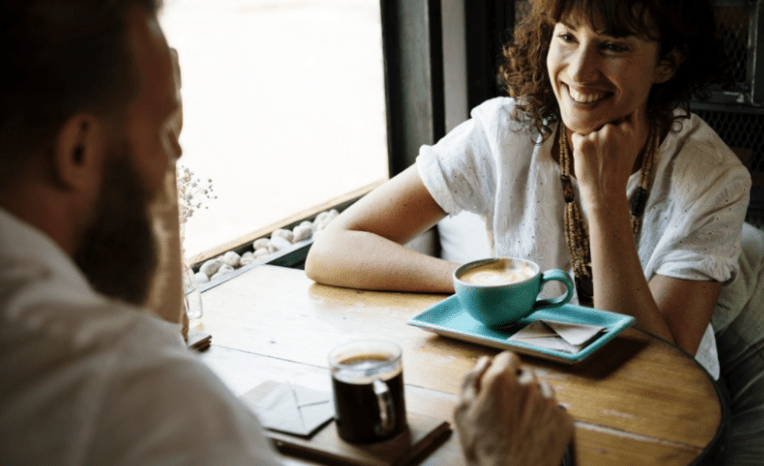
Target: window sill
x: 244, y: 243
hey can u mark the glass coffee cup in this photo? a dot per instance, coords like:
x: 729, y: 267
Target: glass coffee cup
x: 367, y: 384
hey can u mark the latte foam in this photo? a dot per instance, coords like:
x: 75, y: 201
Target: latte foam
x: 498, y: 273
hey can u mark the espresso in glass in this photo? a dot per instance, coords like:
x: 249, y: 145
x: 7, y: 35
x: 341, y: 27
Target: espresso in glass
x: 367, y: 384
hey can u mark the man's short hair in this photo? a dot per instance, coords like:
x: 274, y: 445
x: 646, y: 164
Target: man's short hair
x: 60, y: 57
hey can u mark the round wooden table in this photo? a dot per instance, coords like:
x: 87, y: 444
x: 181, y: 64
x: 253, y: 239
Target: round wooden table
x: 638, y: 400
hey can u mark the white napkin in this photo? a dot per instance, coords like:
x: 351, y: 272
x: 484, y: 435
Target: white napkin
x: 559, y: 336
x: 293, y: 409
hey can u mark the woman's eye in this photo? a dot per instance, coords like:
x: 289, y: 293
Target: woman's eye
x: 614, y: 48
x: 565, y: 37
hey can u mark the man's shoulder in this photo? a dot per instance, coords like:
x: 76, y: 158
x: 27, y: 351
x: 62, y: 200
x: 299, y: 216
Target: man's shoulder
x: 65, y: 354
x: 37, y: 304
x: 123, y: 388
x: 162, y: 395
x: 50, y: 332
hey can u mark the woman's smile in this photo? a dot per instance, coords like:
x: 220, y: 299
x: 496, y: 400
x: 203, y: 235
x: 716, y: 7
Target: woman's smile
x: 598, y: 78
x: 583, y: 96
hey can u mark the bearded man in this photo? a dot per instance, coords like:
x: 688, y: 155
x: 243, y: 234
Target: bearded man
x: 88, y: 142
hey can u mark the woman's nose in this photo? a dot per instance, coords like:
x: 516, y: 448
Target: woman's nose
x: 584, y: 64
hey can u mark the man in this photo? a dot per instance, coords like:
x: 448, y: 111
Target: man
x: 87, y: 143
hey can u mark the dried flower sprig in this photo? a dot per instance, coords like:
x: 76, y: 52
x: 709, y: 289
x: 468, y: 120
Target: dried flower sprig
x: 192, y: 193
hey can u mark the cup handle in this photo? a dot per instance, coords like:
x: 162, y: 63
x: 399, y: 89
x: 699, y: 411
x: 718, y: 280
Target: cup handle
x: 555, y: 275
x: 386, y: 408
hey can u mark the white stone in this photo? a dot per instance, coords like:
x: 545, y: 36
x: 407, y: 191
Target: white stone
x: 306, y: 223
x: 211, y: 267
x: 201, y: 277
x: 322, y: 224
x: 302, y: 232
x: 278, y: 243
x: 262, y: 252
x: 232, y: 258
x: 247, y: 255
x: 282, y: 233
x: 323, y: 219
x: 224, y: 269
x: 261, y: 243
x: 247, y: 260
x: 320, y: 217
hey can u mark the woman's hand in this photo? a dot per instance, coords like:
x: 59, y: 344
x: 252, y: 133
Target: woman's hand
x: 604, y: 159
x: 506, y: 416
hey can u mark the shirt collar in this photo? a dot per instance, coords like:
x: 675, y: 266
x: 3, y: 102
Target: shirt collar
x: 22, y: 242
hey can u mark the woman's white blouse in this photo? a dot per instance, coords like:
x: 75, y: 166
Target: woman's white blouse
x: 490, y: 165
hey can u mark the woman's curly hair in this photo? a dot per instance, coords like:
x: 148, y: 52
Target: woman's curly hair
x: 684, y: 28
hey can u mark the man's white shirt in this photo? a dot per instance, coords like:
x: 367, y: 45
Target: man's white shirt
x: 89, y: 380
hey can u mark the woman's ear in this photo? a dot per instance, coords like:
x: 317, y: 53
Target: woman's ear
x: 668, y: 66
x: 79, y: 152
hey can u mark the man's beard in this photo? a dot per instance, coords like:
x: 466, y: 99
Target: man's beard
x: 119, y: 252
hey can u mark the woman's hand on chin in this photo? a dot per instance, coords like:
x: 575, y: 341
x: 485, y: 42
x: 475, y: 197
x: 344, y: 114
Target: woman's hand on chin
x: 604, y: 159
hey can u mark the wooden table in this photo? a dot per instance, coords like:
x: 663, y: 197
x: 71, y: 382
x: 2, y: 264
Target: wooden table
x: 637, y: 401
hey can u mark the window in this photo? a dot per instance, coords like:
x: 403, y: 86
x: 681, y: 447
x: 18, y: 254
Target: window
x: 284, y: 107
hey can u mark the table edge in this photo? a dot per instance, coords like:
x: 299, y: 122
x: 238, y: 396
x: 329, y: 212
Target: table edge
x: 713, y: 445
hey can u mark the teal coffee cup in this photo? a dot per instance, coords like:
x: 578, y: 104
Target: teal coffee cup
x: 499, y: 291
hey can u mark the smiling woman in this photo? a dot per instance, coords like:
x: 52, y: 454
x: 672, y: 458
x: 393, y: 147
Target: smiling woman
x: 284, y: 106
x: 642, y: 201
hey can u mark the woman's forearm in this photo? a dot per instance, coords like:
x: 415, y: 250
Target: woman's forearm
x: 358, y: 259
x: 619, y: 281
x: 363, y: 247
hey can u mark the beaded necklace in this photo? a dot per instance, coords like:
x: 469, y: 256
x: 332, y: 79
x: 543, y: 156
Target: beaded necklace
x: 576, y: 234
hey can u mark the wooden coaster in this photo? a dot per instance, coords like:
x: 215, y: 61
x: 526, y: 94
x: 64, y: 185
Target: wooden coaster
x: 422, y: 436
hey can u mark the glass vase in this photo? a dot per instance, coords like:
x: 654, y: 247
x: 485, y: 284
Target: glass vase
x: 192, y: 297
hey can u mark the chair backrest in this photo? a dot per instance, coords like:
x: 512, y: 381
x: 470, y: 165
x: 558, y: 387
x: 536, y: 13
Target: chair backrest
x: 743, y: 299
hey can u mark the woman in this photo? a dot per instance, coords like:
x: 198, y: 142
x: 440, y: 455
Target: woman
x: 590, y: 165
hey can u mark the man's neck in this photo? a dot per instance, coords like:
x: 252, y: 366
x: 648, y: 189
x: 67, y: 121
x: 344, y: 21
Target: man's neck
x: 50, y: 212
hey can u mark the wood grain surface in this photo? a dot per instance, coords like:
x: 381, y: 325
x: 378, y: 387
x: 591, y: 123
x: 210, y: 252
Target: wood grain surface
x: 638, y: 400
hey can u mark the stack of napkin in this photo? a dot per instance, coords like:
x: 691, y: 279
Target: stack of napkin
x: 291, y: 408
x: 558, y: 336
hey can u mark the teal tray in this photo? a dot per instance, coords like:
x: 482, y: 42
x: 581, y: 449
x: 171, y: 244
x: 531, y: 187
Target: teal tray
x: 449, y: 319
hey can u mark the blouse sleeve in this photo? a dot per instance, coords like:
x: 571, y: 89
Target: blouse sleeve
x: 460, y: 170
x: 709, y: 196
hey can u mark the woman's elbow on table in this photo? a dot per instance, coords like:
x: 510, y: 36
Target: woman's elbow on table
x: 320, y: 264
x: 331, y: 260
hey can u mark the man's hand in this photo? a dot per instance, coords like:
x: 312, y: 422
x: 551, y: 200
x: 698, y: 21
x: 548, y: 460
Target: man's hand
x: 506, y: 416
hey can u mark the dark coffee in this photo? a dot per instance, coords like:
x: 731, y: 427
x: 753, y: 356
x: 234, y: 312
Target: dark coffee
x: 357, y: 406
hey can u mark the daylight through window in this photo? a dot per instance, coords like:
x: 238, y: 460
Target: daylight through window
x: 284, y: 107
